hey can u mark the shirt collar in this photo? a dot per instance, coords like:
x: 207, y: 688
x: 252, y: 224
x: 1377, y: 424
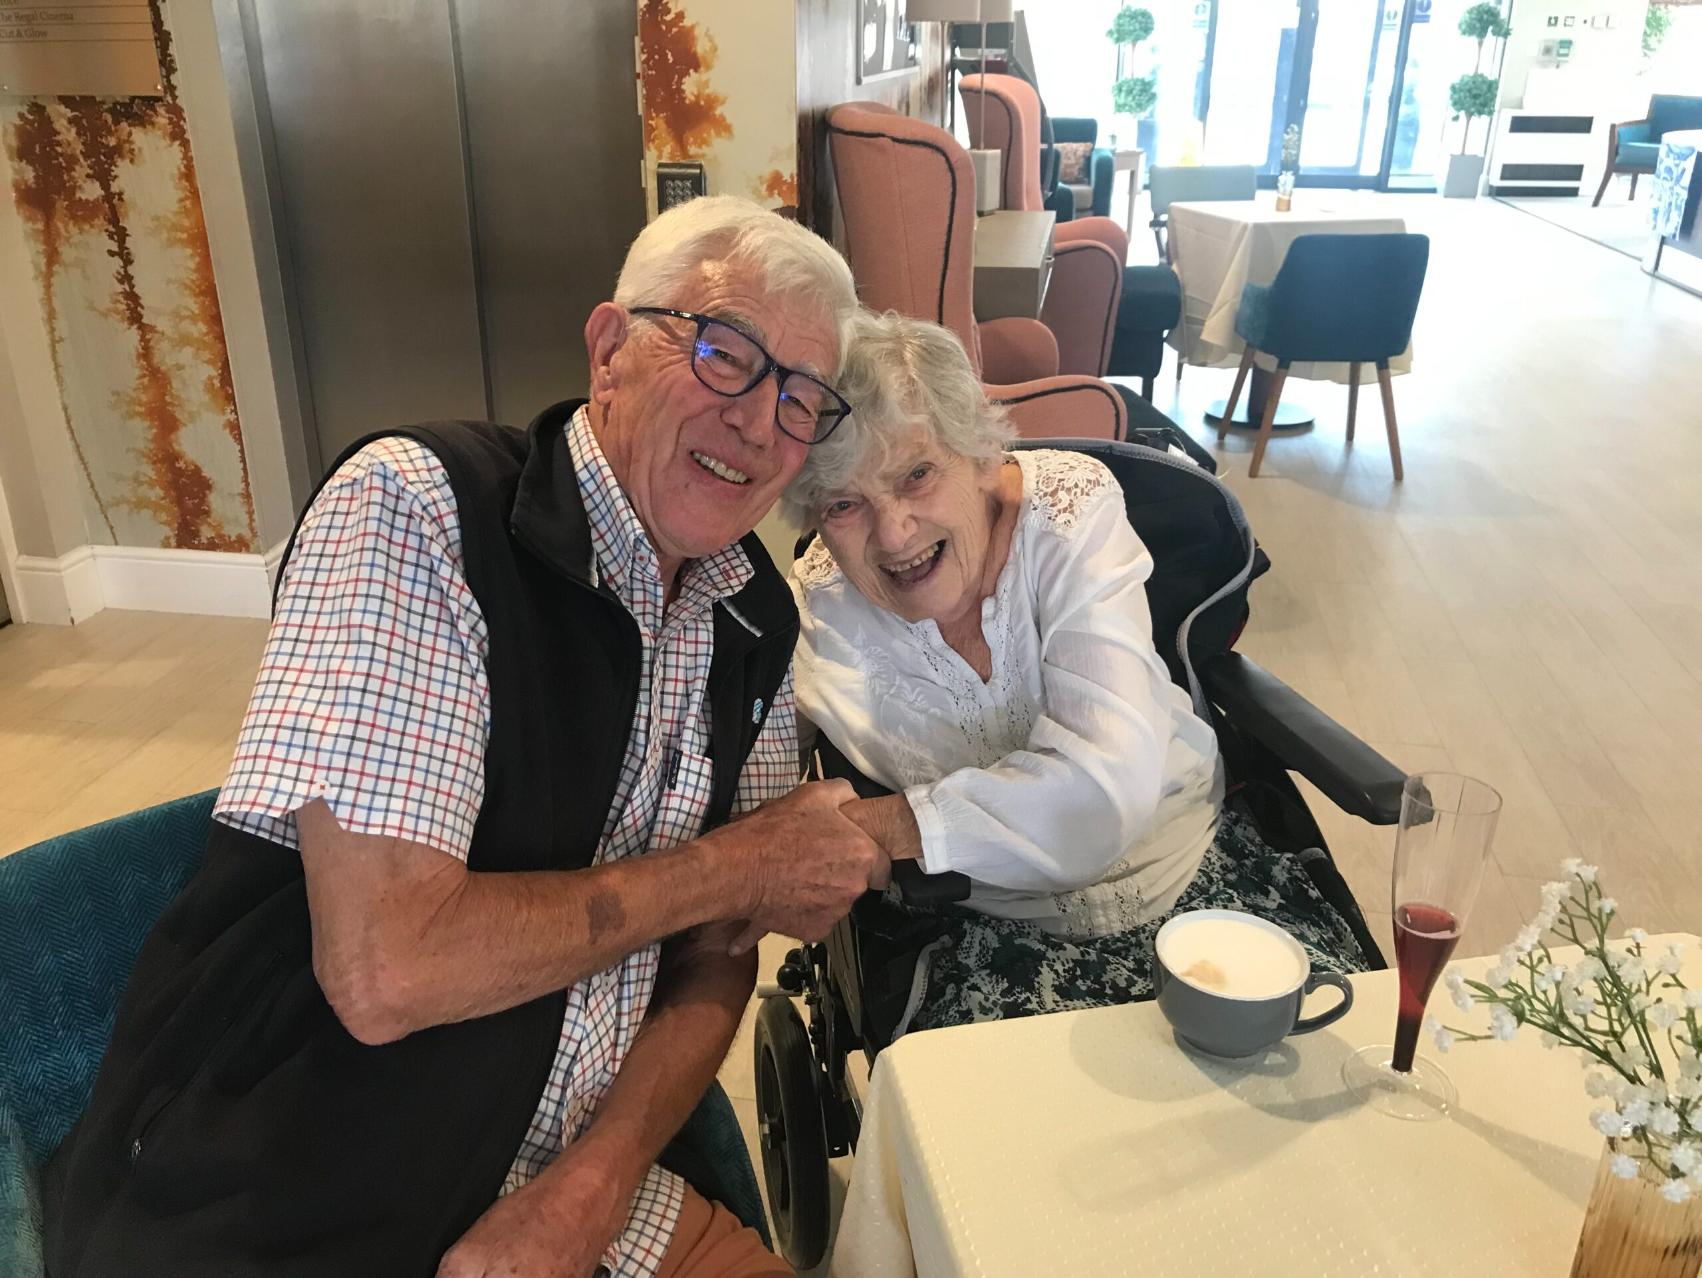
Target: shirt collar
x: 622, y: 553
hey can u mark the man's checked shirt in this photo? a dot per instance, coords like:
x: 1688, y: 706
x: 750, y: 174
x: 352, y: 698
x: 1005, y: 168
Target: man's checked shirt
x: 372, y: 696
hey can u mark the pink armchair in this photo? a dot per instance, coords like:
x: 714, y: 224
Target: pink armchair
x: 1087, y: 274
x: 908, y: 197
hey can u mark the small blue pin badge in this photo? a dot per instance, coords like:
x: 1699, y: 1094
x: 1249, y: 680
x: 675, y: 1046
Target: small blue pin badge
x: 756, y: 710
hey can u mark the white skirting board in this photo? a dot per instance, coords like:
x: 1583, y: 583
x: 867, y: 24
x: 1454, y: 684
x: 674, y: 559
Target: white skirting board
x: 77, y: 585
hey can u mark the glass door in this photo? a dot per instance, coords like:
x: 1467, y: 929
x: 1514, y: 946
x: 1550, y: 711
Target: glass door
x: 1366, y: 80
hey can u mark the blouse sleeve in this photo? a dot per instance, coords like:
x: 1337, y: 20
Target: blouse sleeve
x: 1056, y: 815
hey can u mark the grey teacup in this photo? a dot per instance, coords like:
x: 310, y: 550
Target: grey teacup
x: 1219, y: 1021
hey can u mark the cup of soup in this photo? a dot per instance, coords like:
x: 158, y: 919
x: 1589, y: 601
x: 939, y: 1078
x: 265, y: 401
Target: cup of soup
x: 1232, y: 984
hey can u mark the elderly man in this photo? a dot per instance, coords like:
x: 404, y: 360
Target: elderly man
x: 473, y: 933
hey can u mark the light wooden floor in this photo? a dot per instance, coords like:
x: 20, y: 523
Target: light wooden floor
x: 1527, y: 607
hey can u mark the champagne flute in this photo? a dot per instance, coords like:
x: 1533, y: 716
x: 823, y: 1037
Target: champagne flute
x: 1441, y: 847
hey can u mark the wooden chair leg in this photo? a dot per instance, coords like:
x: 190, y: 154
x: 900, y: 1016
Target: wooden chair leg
x: 1384, y: 381
x: 1607, y: 176
x: 1352, y: 397
x: 1272, y: 396
x: 1235, y: 393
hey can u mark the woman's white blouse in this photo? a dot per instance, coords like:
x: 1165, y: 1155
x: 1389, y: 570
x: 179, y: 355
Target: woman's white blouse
x: 1076, y: 786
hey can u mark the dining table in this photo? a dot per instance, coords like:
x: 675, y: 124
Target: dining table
x: 1218, y: 247
x: 1094, y: 1143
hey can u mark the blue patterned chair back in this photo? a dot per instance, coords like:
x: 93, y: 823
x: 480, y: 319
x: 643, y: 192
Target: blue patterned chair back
x: 74, y: 912
x: 1344, y: 298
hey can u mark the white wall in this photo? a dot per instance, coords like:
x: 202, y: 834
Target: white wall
x: 1602, y: 73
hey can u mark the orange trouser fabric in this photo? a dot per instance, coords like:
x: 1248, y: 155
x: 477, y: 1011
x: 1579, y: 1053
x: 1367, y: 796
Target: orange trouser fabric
x: 709, y: 1242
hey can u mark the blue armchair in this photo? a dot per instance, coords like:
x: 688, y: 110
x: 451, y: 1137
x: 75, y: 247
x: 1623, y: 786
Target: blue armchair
x: 1633, y: 145
x: 1088, y: 195
x: 74, y: 912
x: 1337, y: 299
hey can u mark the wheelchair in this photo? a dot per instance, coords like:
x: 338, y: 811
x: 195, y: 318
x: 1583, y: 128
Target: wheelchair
x: 856, y: 984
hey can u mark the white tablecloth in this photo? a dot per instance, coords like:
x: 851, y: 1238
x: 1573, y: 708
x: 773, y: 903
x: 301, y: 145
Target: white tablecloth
x: 1220, y: 247
x: 1090, y: 1143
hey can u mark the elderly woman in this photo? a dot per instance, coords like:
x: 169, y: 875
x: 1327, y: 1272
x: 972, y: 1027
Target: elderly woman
x: 976, y: 638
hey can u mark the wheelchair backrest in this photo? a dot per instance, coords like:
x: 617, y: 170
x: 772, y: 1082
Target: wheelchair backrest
x: 1203, y: 552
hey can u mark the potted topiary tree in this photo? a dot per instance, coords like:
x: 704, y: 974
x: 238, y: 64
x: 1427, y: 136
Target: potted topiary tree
x: 1133, y: 95
x: 1473, y: 96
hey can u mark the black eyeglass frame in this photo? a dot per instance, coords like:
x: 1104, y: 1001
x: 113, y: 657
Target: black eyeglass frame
x: 769, y: 365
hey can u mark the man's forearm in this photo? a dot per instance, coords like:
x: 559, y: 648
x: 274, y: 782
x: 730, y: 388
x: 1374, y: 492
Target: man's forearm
x: 425, y: 941
x: 694, y: 1014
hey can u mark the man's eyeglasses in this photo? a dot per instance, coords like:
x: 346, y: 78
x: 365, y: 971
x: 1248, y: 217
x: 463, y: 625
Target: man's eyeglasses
x: 732, y: 363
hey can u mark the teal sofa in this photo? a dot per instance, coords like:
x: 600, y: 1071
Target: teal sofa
x: 1633, y: 145
x: 74, y: 912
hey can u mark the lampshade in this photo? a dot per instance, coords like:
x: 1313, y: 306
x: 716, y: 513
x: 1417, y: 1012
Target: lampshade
x: 946, y: 10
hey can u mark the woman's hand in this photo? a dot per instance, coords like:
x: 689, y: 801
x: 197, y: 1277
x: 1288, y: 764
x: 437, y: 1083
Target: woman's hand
x: 557, y: 1226
x: 889, y: 821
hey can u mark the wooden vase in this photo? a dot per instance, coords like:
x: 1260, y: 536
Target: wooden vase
x: 1630, y: 1231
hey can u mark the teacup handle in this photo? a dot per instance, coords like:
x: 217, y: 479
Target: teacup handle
x: 1306, y: 1024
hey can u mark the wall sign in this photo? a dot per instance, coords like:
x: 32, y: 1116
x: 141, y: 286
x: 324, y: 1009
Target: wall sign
x: 98, y: 48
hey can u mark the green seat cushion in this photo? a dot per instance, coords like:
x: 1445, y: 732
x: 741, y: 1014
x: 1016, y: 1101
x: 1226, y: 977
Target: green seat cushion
x: 1641, y: 154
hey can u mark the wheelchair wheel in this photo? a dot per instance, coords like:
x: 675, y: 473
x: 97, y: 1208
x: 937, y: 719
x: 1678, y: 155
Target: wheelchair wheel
x: 794, y: 1144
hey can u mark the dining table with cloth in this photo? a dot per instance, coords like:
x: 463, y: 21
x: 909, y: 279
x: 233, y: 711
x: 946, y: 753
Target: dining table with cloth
x: 1093, y: 1143
x: 1218, y: 247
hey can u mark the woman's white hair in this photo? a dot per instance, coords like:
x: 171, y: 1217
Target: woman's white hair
x: 784, y: 258
x: 897, y: 373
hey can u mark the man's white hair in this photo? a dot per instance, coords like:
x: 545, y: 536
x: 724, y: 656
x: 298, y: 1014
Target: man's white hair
x: 898, y: 374
x: 785, y: 259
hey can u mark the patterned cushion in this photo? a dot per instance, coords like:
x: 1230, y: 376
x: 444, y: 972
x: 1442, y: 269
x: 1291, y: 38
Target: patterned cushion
x: 73, y: 914
x: 1072, y: 161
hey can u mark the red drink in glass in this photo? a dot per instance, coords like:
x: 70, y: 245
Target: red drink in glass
x: 1425, y: 937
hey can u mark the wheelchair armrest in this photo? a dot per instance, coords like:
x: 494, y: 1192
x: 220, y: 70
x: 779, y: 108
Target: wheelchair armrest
x: 1350, y: 773
x: 919, y: 888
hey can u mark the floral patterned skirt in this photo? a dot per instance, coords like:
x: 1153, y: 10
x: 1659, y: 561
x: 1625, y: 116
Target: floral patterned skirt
x: 987, y: 969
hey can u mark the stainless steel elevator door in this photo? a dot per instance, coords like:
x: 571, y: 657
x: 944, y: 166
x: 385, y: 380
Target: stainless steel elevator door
x: 456, y: 181
x: 553, y: 131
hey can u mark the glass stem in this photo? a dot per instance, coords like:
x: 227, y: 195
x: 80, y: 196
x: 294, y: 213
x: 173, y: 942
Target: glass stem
x: 1406, y: 1042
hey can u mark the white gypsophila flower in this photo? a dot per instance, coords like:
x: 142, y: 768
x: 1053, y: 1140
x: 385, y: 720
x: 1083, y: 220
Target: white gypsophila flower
x: 1554, y: 893
x: 1672, y: 961
x: 1636, y: 935
x: 1588, y: 968
x: 1607, y: 905
x: 1580, y: 1005
x: 1571, y: 865
x: 1597, y: 1085
x: 1549, y: 1041
x: 1685, y: 1089
x: 1630, y: 1059
x: 1663, y: 1120
x: 1439, y: 1033
x: 1629, y: 968
x: 1502, y: 1023
x: 1464, y: 1000
x: 1498, y: 975
x: 1608, y: 1122
x: 1676, y: 1191
x: 1663, y: 1015
x: 1454, y: 979
x: 1545, y: 919
x: 1687, y: 1156
x: 1526, y: 940
x: 1629, y: 1093
x: 1636, y: 1112
x: 1689, y: 1063
x: 1641, y: 1000
x: 1586, y: 873
x: 1693, y: 1000
x: 1624, y: 1166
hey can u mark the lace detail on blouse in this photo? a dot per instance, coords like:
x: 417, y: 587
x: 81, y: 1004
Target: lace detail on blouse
x: 1064, y: 486
x: 816, y: 567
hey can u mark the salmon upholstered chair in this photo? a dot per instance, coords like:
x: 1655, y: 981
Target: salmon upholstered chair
x: 1002, y: 113
x: 907, y: 193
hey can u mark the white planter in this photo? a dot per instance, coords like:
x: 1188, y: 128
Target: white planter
x: 1464, y: 174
